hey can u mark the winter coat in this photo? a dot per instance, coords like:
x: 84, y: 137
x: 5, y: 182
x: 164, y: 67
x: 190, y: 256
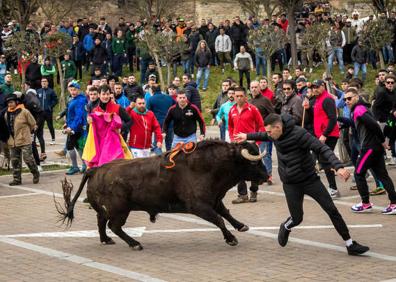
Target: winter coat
x: 293, y: 148
x: 76, y: 116
x: 292, y: 105
x: 203, y: 58
x: 193, y: 94
x: 47, y: 98
x: 88, y: 43
x: 99, y: 55
x: 359, y: 55
x: 23, y: 127
x: 159, y: 104
x: 132, y: 91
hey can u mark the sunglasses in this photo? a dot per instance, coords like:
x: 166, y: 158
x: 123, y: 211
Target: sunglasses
x: 390, y: 82
x: 287, y: 89
x: 348, y: 98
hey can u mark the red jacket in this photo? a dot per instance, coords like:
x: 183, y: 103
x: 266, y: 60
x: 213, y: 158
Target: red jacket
x: 268, y: 93
x: 321, y: 119
x: 142, y: 129
x: 249, y: 120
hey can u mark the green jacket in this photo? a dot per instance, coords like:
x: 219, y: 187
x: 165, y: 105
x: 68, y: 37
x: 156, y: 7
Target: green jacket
x: 7, y: 89
x: 69, y: 69
x: 130, y: 39
x: 47, y: 71
x: 118, y: 46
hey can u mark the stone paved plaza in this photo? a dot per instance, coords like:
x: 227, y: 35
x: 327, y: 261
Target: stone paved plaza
x: 181, y: 247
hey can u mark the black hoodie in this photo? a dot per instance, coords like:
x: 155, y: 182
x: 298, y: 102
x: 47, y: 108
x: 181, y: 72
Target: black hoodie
x: 293, y: 148
x: 368, y: 130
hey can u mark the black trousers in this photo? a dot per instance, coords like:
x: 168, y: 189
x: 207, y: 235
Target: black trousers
x: 295, y: 197
x: 331, y: 142
x: 373, y: 159
x: 48, y: 118
x: 247, y: 74
x: 242, y: 187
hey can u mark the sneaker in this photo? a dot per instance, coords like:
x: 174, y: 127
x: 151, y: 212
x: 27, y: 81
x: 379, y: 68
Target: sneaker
x: 356, y: 249
x: 362, y: 208
x: 392, y: 161
x: 15, y: 182
x: 269, y: 181
x: 52, y: 142
x: 353, y: 188
x: 391, y: 209
x: 333, y: 193
x: 39, y: 168
x: 36, y: 178
x: 283, y: 235
x: 253, y: 197
x: 61, y: 153
x: 83, y: 168
x: 72, y: 170
x: 241, y: 199
x: 378, y: 191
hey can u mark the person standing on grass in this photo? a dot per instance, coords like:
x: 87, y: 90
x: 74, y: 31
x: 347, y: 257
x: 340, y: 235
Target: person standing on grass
x: 203, y: 59
x: 48, y: 100
x: 243, y: 63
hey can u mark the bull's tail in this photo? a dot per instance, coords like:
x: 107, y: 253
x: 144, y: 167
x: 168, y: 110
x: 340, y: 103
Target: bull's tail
x: 67, y: 210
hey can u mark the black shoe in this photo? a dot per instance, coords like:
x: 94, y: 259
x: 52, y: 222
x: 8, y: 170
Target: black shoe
x: 283, y: 235
x: 356, y: 249
x: 36, y: 178
x: 14, y: 183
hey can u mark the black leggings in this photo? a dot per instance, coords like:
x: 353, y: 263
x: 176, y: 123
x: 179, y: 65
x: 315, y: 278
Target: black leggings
x: 373, y: 159
x: 295, y: 197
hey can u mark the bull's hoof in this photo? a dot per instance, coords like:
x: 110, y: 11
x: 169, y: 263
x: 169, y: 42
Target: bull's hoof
x: 136, y: 247
x: 233, y: 242
x: 153, y: 218
x: 108, y: 242
x: 243, y: 228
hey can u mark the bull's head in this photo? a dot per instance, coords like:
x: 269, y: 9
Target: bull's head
x: 252, y: 166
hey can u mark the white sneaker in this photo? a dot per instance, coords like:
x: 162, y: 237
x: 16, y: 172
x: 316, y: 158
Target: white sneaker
x: 52, y: 142
x: 333, y: 193
x: 392, y: 161
x: 39, y: 168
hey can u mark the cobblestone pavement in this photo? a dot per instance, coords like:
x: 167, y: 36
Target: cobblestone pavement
x: 181, y: 247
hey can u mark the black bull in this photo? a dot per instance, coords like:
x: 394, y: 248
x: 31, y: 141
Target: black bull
x: 196, y: 185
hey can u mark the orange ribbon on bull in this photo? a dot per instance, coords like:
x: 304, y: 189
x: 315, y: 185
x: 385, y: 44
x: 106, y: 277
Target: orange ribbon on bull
x: 187, y: 148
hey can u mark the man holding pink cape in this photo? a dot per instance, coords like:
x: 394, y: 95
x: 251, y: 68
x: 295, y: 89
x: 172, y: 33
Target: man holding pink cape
x: 104, y: 142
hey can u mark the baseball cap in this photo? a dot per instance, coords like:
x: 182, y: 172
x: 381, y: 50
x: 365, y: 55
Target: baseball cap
x: 318, y: 82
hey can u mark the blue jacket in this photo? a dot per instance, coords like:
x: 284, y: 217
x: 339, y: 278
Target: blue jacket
x: 224, y: 111
x: 48, y: 99
x: 123, y: 101
x: 340, y: 103
x: 76, y: 117
x: 159, y: 104
x: 88, y: 42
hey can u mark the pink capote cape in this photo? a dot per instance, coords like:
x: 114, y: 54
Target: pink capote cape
x: 104, y: 142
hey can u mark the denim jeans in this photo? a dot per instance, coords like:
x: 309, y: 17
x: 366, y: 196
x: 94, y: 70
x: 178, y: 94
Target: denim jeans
x: 186, y: 66
x: 178, y: 139
x: 143, y: 69
x: 357, y: 67
x: 387, y: 52
x: 222, y: 131
x: 338, y: 53
x: 261, y: 62
x: 267, y: 159
x: 203, y: 71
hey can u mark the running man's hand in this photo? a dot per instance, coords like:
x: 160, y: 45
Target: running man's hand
x: 322, y: 139
x: 240, y: 137
x: 200, y: 138
x: 386, y: 145
x: 343, y: 174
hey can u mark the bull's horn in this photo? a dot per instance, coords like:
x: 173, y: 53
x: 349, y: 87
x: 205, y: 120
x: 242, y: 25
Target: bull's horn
x: 245, y: 153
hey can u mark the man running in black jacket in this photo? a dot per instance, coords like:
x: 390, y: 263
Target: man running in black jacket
x: 297, y: 172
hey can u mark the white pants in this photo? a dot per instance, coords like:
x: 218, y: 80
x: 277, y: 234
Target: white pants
x: 227, y: 136
x: 140, y: 153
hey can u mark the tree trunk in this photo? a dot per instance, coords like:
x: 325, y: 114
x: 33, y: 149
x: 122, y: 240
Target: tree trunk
x: 292, y: 33
x: 168, y: 78
x: 23, y: 73
x: 381, y: 58
x: 158, y: 64
x: 62, y: 101
x: 268, y: 58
